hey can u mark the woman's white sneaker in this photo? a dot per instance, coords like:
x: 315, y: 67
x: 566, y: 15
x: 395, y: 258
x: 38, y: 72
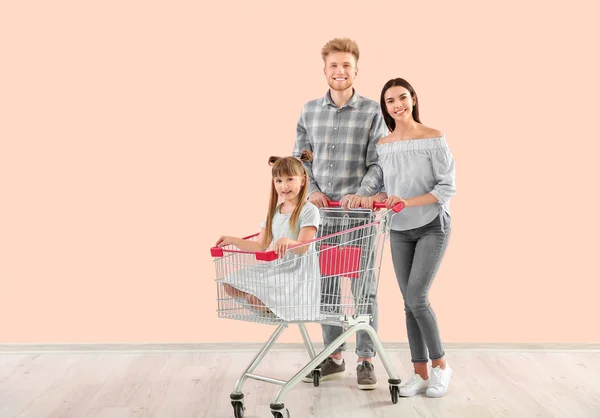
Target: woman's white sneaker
x: 415, y: 385
x: 439, y: 381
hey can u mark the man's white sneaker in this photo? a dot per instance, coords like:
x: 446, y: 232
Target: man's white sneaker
x: 439, y: 381
x: 415, y: 385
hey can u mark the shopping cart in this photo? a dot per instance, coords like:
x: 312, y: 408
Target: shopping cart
x: 328, y: 280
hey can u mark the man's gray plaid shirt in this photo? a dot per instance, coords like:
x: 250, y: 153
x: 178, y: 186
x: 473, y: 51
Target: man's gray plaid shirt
x: 342, y: 141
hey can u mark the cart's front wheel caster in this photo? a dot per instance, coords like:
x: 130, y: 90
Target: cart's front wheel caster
x: 394, y: 391
x: 237, y: 401
x: 279, y: 411
x: 238, y: 409
x: 316, y: 377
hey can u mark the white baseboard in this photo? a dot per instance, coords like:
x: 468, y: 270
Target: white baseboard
x: 253, y: 346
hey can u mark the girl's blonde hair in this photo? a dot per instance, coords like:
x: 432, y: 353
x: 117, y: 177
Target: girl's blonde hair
x: 287, y: 167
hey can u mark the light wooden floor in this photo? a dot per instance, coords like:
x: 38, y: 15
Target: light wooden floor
x: 196, y: 383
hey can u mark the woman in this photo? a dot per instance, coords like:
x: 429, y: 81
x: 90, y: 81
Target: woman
x: 418, y: 169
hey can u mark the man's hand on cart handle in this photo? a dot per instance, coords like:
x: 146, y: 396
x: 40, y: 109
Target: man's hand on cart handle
x: 369, y: 202
x: 319, y: 199
x: 351, y: 201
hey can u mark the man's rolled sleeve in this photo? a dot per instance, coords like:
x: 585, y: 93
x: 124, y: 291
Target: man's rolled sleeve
x: 302, y: 143
x: 372, y: 181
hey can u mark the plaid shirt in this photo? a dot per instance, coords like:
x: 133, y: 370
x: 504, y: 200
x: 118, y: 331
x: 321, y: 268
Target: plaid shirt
x: 342, y: 141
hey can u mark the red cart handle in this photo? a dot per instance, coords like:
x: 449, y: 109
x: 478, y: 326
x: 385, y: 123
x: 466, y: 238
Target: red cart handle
x: 271, y: 255
x: 260, y: 255
x: 376, y: 205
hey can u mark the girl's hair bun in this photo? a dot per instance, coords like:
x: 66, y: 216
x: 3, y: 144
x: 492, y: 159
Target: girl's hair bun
x: 306, y: 155
x: 273, y: 160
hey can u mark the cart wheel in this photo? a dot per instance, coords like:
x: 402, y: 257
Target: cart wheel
x: 278, y: 414
x: 394, y: 391
x: 238, y: 409
x: 316, y: 377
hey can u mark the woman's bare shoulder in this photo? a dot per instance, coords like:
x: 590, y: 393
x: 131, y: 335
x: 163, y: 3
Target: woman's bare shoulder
x: 386, y: 139
x: 431, y: 133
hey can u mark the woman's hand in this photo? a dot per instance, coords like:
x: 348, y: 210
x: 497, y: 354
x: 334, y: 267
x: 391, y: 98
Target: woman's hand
x: 393, y: 201
x: 223, y: 241
x: 281, y: 246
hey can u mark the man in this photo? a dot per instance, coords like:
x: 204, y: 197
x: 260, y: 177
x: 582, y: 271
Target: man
x: 342, y: 129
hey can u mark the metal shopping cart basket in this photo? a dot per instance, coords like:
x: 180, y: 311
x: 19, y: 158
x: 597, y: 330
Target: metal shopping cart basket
x: 330, y: 280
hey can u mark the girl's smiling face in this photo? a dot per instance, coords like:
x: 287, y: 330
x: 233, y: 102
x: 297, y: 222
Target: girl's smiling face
x: 288, y: 187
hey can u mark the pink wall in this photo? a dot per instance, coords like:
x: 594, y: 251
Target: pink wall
x: 134, y: 134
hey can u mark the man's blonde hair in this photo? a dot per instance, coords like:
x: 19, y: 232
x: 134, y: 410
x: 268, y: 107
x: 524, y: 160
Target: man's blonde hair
x: 340, y: 45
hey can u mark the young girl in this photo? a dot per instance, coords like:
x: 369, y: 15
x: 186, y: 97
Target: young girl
x: 418, y: 169
x: 290, y: 286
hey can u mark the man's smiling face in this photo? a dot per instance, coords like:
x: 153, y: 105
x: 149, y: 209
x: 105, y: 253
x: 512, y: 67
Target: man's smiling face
x: 340, y: 70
